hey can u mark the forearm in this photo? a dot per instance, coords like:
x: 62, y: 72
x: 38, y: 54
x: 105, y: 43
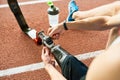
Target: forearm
x: 54, y: 74
x: 92, y: 23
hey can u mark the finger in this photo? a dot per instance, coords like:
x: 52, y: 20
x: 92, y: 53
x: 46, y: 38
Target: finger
x: 46, y: 51
x: 56, y: 36
x: 43, y: 50
x: 49, y: 30
x: 52, y: 32
x: 53, y: 63
x: 43, y: 53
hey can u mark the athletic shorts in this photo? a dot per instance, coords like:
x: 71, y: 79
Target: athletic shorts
x: 73, y: 69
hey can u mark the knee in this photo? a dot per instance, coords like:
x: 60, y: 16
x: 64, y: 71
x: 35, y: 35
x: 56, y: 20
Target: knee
x: 116, y: 3
x: 76, y: 15
x: 79, y: 15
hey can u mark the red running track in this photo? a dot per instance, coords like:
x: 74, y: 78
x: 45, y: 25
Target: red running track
x: 16, y: 49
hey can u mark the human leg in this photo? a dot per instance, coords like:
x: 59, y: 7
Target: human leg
x: 106, y: 65
x: 104, y: 10
x: 112, y: 36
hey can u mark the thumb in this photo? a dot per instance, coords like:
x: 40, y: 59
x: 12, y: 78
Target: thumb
x: 45, y: 51
x: 49, y: 31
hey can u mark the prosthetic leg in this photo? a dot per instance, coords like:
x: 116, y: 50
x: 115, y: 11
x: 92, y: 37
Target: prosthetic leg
x: 72, y: 68
x: 59, y: 53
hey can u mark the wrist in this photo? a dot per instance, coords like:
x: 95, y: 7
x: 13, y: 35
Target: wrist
x: 65, y: 26
x: 47, y: 66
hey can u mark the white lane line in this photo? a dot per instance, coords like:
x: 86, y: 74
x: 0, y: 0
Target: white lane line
x: 26, y: 3
x: 88, y: 55
x: 21, y: 69
x: 37, y: 66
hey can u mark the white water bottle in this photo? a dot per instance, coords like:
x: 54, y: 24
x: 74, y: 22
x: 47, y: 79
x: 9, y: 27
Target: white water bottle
x: 53, y: 14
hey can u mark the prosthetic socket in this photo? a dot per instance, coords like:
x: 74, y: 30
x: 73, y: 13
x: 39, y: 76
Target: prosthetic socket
x: 59, y: 53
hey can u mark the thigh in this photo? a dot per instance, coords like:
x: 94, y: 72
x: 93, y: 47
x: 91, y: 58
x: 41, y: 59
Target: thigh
x: 106, y: 65
x: 104, y: 10
x: 113, y: 34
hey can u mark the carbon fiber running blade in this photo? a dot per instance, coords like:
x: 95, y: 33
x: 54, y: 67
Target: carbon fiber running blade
x: 13, y: 4
x: 32, y: 33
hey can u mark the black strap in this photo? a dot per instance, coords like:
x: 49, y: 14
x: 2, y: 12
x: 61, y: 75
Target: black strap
x: 65, y: 26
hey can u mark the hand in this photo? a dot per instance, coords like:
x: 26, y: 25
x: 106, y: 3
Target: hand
x: 55, y: 31
x: 46, y: 57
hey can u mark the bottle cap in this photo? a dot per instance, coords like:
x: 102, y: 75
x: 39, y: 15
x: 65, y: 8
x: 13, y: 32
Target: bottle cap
x: 50, y: 3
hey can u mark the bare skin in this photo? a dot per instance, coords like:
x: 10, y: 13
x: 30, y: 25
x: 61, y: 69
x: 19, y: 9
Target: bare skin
x: 114, y: 33
x: 105, y: 19
x: 106, y: 66
x: 49, y: 66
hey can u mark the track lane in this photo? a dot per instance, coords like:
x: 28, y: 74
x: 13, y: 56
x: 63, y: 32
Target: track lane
x: 19, y: 50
